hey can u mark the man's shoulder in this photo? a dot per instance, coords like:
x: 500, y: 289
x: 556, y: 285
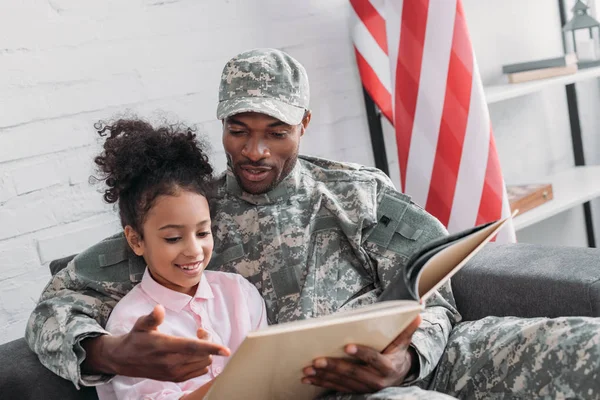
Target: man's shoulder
x: 108, y: 260
x: 337, y: 172
x: 370, y: 190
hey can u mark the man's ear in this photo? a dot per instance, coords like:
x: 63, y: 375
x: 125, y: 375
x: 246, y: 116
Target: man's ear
x: 305, y: 122
x: 135, y: 240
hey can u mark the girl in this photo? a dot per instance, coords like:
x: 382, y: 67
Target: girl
x: 159, y: 178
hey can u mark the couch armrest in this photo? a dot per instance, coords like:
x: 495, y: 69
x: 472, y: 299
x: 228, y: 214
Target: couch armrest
x: 22, y: 376
x: 529, y: 280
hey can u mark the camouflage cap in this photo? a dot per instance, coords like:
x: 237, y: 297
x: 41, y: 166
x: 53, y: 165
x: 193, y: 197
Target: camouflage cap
x: 266, y: 81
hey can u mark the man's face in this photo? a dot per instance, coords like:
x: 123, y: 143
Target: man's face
x: 261, y: 150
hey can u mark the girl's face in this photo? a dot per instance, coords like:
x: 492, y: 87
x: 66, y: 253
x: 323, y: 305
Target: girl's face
x: 177, y: 243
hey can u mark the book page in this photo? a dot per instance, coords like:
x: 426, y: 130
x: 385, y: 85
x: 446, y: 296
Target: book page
x: 450, y: 260
x: 269, y: 363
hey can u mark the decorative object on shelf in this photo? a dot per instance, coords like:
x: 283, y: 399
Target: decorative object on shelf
x: 526, y: 197
x: 541, y: 69
x: 585, y: 45
x: 542, y: 73
x: 563, y: 61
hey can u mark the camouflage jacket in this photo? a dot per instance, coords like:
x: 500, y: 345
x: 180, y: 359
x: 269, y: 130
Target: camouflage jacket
x: 312, y: 246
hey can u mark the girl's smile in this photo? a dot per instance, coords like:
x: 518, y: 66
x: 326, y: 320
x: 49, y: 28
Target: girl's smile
x: 191, y: 269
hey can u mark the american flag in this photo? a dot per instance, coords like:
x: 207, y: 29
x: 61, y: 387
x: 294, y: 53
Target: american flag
x: 416, y: 61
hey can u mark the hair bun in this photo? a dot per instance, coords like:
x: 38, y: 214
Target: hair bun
x: 135, y: 151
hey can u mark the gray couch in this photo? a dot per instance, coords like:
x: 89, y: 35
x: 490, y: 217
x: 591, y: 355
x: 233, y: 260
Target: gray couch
x: 518, y: 279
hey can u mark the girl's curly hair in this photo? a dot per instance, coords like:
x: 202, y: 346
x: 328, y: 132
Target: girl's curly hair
x: 140, y: 163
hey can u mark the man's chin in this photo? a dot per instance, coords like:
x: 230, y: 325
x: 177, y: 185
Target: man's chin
x: 255, y: 187
x: 252, y: 186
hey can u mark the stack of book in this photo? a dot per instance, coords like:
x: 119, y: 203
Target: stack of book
x: 541, y: 69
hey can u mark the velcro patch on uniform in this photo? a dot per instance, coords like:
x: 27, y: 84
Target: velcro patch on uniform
x: 391, y: 207
x: 408, y: 231
x: 285, y: 282
x: 389, y: 216
x: 228, y: 255
x: 233, y: 253
x: 109, y: 259
x: 324, y: 223
x: 398, y: 244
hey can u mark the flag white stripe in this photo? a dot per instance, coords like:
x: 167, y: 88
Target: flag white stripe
x: 379, y: 6
x: 393, y: 19
x: 430, y: 100
x: 370, y: 50
x: 474, y: 159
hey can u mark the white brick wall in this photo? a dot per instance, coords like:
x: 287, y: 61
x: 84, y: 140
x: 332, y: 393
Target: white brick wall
x: 64, y: 64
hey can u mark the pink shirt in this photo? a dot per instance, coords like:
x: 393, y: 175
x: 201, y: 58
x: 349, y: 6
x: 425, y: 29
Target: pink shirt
x: 225, y: 305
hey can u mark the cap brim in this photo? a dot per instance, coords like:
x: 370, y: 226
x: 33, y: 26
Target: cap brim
x: 284, y: 112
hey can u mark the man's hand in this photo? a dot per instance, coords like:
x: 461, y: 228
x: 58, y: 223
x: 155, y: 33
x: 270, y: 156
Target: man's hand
x: 370, y: 371
x: 145, y: 352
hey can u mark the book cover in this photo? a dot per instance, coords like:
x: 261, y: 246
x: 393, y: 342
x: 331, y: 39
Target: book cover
x: 563, y: 61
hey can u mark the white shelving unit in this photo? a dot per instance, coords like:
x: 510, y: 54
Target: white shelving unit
x: 497, y: 93
x: 571, y: 187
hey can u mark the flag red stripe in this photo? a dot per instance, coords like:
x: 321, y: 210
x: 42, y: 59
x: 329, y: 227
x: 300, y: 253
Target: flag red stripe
x: 373, y: 21
x: 490, y: 206
x: 453, y: 124
x: 408, y: 73
x: 380, y: 95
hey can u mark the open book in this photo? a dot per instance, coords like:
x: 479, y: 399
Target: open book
x: 269, y: 362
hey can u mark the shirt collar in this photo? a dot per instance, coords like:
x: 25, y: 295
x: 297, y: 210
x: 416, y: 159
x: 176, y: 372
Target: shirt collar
x: 289, y: 185
x: 171, y: 299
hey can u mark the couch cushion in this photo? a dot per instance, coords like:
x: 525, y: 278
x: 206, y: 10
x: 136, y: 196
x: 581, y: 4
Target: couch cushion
x: 529, y: 280
x: 22, y: 376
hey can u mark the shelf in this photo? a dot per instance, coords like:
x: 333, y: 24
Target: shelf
x: 569, y: 188
x: 496, y: 93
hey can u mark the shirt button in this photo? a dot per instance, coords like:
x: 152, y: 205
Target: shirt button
x: 217, y: 370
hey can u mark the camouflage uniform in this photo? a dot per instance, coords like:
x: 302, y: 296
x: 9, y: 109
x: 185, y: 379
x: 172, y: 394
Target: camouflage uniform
x: 313, y: 246
x: 329, y: 237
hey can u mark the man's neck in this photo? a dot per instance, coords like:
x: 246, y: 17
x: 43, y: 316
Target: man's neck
x: 284, y: 189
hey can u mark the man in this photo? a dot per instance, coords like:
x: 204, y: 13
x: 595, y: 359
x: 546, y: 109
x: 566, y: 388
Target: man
x: 315, y: 237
